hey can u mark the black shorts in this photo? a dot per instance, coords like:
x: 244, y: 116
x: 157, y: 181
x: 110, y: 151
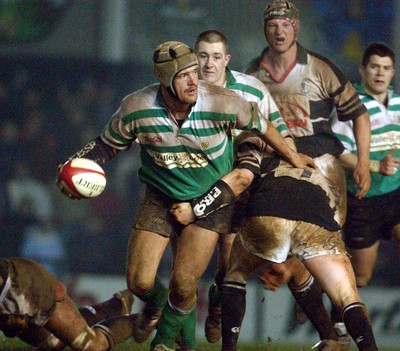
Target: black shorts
x: 371, y: 219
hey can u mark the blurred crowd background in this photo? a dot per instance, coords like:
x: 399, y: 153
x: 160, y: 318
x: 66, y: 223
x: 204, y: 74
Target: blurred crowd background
x: 64, y: 67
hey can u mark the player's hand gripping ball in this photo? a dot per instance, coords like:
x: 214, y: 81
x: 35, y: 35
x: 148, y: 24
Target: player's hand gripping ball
x: 81, y: 178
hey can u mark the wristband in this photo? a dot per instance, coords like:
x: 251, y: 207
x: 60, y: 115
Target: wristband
x: 374, y: 166
x: 96, y: 150
x: 220, y: 195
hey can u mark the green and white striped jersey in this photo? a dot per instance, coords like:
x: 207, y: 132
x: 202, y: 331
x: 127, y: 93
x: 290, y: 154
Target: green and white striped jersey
x: 182, y: 162
x: 252, y: 89
x: 385, y: 135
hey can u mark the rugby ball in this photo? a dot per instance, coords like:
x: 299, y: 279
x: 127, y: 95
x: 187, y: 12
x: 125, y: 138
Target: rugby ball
x: 83, y: 177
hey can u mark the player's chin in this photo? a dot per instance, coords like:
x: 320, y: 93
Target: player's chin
x: 190, y: 96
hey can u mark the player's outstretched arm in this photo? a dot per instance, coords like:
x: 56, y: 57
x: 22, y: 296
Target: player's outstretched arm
x: 221, y: 194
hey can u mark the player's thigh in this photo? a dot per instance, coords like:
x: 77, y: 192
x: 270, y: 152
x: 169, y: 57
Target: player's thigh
x: 195, y: 249
x: 297, y: 270
x: 336, y: 277
x: 242, y: 263
x: 145, y: 250
x: 363, y: 261
x: 68, y: 325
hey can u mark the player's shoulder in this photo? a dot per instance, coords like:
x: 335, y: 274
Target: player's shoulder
x: 219, y: 99
x: 142, y: 99
x: 324, y: 66
x: 215, y: 91
x: 249, y: 80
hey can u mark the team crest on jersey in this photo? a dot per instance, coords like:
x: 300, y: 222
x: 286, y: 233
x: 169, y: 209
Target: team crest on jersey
x: 204, y: 145
x: 305, y: 86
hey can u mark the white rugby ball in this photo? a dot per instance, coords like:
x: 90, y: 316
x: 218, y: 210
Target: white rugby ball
x: 83, y: 177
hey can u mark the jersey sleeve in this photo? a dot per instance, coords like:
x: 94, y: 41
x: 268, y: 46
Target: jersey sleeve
x: 249, y: 117
x: 119, y: 132
x: 249, y: 153
x: 344, y: 132
x: 270, y: 111
x: 342, y: 92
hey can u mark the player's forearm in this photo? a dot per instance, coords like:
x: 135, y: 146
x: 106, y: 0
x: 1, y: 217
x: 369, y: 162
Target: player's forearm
x: 223, y: 193
x: 275, y: 140
x: 96, y: 150
x: 289, y: 140
x: 349, y: 161
x: 362, y: 133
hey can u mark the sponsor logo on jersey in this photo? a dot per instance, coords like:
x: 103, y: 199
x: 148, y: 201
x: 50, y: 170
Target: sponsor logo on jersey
x: 293, y: 114
x: 180, y: 160
x: 153, y: 139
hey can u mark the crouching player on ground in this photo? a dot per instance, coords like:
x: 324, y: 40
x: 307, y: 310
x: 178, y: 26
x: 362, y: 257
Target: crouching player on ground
x: 35, y: 307
x: 289, y: 211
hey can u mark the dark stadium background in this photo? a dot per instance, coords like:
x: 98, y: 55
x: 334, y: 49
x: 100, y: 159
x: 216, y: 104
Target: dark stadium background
x: 65, y: 65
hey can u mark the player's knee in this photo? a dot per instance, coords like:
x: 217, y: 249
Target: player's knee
x: 183, y: 287
x: 139, y: 284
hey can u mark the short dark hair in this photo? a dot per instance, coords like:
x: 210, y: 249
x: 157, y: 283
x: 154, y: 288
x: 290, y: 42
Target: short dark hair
x: 211, y: 36
x: 380, y: 49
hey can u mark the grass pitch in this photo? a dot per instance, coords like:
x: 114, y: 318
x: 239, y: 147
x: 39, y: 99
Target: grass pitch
x: 14, y: 344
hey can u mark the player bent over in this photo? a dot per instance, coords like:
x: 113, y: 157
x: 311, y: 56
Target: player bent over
x: 35, y: 307
x: 298, y: 219
x: 289, y: 211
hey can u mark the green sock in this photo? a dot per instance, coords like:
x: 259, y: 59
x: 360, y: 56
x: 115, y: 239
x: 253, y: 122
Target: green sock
x: 157, y: 296
x: 188, y: 331
x: 171, y: 322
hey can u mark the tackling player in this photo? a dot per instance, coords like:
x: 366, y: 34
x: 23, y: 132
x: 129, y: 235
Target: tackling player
x: 299, y: 220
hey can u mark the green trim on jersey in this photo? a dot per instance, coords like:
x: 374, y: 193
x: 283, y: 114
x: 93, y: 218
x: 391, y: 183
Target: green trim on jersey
x: 182, y: 162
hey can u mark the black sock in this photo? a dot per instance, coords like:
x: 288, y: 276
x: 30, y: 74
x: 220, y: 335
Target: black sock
x: 233, y: 303
x: 358, y: 325
x: 309, y: 297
